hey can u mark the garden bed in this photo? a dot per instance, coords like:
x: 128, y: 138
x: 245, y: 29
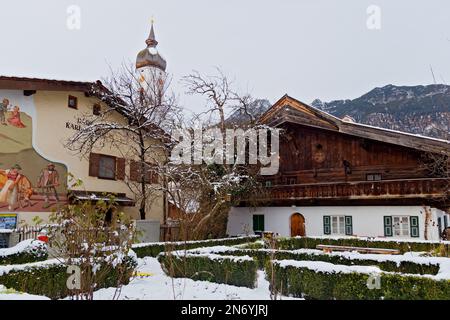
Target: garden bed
x: 401, y: 263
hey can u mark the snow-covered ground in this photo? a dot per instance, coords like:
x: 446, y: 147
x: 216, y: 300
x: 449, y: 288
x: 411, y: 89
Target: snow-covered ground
x: 8, y: 294
x: 158, y: 286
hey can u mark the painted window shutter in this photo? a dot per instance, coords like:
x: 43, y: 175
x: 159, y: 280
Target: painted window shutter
x: 152, y: 176
x: 94, y: 162
x: 414, y: 225
x: 258, y: 222
x: 348, y: 225
x: 387, y: 226
x: 134, y: 170
x: 326, y: 224
x: 445, y: 222
x: 120, y: 170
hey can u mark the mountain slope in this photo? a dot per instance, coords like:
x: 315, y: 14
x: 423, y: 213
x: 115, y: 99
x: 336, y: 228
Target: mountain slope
x: 254, y: 110
x: 421, y: 110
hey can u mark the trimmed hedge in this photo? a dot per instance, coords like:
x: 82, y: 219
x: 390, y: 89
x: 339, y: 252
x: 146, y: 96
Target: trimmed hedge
x: 403, y: 246
x: 262, y: 256
x: 51, y: 280
x: 24, y: 252
x: 238, y: 271
x: 314, y: 284
x: 155, y: 248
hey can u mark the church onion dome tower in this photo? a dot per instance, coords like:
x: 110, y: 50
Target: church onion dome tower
x: 150, y: 57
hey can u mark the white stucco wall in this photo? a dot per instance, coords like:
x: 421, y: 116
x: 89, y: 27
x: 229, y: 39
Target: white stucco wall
x: 367, y: 220
x: 440, y: 214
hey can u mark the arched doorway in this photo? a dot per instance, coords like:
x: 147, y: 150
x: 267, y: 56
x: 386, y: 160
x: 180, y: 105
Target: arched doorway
x: 297, y: 225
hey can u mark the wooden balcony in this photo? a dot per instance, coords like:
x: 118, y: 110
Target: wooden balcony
x: 436, y: 188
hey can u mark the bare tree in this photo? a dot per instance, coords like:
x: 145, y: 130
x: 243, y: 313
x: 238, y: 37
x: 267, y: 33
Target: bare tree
x: 218, y: 183
x: 149, y: 112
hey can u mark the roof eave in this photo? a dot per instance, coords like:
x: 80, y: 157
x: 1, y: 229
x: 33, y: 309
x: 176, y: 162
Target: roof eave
x: 275, y: 115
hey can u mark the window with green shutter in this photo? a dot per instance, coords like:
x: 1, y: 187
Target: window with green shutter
x: 326, y: 224
x: 348, y: 225
x: 387, y: 226
x: 414, y: 225
x: 258, y: 222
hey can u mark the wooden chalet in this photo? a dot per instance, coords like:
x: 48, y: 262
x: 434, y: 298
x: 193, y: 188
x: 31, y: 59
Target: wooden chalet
x: 343, y: 165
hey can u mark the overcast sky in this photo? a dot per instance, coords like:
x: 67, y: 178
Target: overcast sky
x: 308, y: 49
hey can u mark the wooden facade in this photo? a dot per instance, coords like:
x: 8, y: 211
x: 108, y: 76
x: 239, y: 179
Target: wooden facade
x: 327, y: 161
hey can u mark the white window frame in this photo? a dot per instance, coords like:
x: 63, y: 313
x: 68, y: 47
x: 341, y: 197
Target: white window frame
x: 339, y: 227
x: 401, y: 227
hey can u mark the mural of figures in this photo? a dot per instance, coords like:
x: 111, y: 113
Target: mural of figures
x: 14, y: 120
x: 14, y: 187
x: 28, y: 181
x: 48, y: 181
x: 3, y: 110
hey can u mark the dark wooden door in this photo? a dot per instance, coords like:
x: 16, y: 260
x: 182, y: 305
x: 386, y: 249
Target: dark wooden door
x: 297, y: 225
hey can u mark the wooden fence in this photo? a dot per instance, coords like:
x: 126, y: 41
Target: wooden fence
x: 28, y: 232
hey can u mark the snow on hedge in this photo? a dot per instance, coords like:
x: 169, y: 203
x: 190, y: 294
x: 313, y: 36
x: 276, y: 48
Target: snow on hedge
x: 374, y: 239
x: 30, y: 246
x: 210, y: 256
x: 327, y: 267
x: 54, y: 262
x: 352, y: 255
x: 29, y: 266
x: 215, y: 249
x: 146, y: 244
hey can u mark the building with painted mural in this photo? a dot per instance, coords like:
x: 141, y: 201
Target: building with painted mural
x: 37, y: 116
